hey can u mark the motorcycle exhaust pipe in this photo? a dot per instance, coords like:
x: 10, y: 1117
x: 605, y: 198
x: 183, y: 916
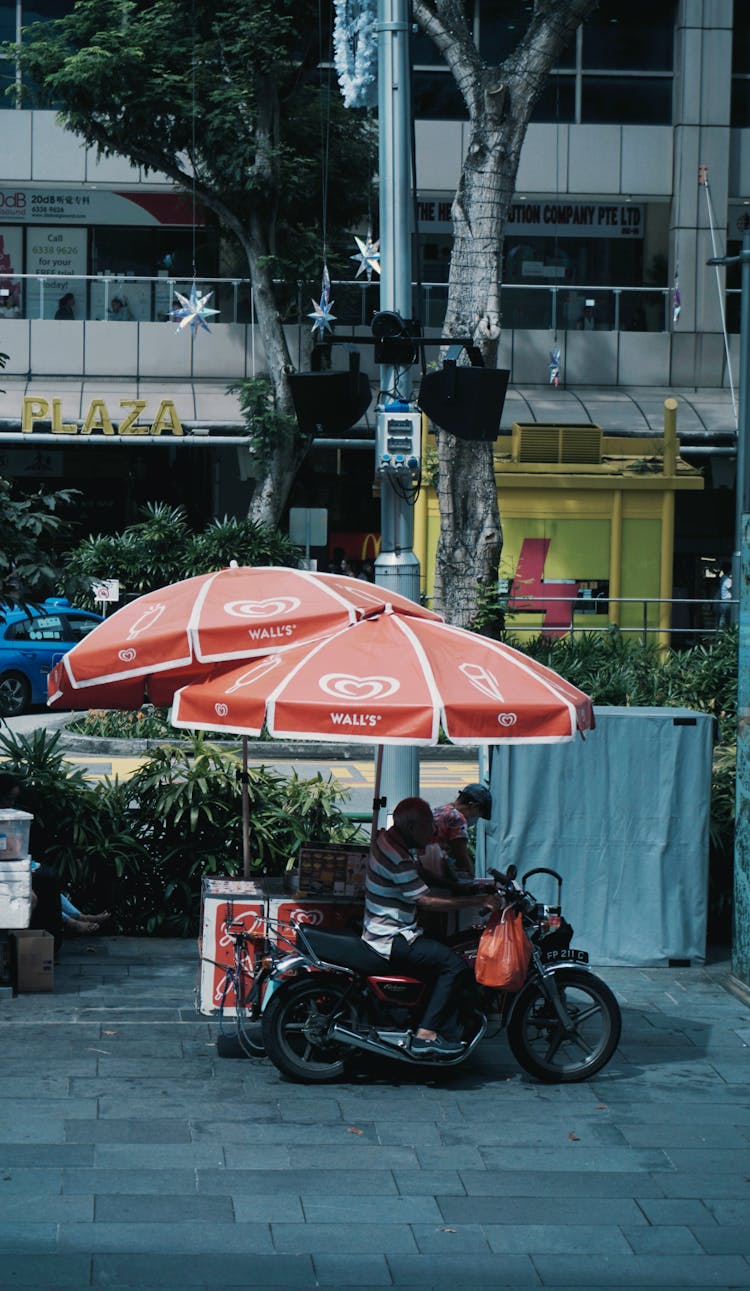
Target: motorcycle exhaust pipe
x: 398, y: 1048
x: 357, y: 1041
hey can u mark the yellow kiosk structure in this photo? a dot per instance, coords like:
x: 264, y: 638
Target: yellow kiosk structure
x: 588, y: 527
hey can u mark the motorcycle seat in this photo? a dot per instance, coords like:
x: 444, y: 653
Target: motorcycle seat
x: 351, y: 952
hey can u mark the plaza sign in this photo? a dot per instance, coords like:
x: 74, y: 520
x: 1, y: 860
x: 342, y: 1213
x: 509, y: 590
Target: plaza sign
x: 40, y: 413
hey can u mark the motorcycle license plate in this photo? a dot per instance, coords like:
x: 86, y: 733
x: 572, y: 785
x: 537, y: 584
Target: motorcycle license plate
x: 570, y: 956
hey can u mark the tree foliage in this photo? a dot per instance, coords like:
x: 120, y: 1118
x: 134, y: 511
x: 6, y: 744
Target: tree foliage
x: 162, y: 548
x: 32, y: 532
x: 225, y: 99
x: 499, y: 100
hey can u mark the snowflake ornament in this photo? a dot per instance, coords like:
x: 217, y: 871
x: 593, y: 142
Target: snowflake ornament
x: 321, y: 315
x: 192, y: 310
x: 368, y: 256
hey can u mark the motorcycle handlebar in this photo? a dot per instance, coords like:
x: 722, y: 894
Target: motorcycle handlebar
x: 514, y: 895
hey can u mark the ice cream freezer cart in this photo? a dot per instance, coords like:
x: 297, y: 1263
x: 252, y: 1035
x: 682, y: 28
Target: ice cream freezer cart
x: 329, y: 882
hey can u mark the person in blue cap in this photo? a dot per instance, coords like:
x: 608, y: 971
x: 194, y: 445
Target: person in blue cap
x: 452, y: 823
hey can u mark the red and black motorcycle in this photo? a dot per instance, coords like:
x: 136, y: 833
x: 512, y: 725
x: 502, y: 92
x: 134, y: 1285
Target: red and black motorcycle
x: 333, y: 999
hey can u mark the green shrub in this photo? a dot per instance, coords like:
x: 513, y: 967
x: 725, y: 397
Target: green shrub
x: 141, y: 847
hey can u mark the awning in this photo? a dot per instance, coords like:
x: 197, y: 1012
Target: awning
x: 704, y: 417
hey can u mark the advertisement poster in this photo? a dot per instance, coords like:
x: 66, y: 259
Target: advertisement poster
x: 58, y: 254
x: 11, y: 252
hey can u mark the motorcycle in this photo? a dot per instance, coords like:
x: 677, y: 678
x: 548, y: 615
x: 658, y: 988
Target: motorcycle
x: 333, y: 999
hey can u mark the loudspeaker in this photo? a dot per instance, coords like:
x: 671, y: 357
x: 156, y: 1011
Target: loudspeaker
x: 468, y: 402
x: 392, y: 334
x: 330, y: 402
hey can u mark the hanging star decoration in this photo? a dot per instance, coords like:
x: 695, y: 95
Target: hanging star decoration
x: 321, y: 315
x: 368, y: 256
x: 192, y: 310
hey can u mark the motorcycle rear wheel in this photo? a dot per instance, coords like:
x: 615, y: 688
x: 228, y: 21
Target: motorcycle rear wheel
x: 295, y: 1026
x: 538, y: 1040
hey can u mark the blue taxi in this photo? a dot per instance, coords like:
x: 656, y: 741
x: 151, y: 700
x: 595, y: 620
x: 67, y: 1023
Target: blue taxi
x: 34, y: 636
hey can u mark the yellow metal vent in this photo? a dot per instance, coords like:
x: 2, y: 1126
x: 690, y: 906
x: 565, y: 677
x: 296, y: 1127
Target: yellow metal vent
x: 571, y: 445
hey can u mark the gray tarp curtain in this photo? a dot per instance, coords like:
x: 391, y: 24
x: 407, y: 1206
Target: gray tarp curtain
x: 623, y: 816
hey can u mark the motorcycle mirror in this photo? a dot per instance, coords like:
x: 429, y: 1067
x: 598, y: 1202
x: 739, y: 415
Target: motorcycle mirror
x: 511, y: 872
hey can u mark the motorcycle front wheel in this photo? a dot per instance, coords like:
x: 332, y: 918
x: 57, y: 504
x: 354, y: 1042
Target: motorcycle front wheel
x: 540, y: 1043
x: 296, y: 1025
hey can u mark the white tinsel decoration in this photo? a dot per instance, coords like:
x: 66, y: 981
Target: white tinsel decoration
x: 355, y: 51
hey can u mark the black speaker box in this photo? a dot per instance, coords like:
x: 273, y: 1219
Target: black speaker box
x: 329, y: 402
x: 467, y: 401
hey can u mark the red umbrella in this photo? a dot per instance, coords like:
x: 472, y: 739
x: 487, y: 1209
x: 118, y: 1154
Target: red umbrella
x: 391, y: 679
x: 153, y: 645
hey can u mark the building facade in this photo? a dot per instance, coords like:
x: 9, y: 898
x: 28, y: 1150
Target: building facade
x: 634, y: 172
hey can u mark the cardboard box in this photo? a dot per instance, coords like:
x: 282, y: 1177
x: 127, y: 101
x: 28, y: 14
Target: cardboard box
x: 329, y: 869
x: 15, y: 893
x: 15, y: 827
x: 33, y: 953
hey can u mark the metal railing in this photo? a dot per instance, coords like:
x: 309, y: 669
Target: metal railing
x: 696, y: 617
x: 149, y: 298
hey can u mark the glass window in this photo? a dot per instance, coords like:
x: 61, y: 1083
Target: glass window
x: 44, y: 10
x: 502, y: 23
x: 7, y: 19
x: 49, y: 628
x: 437, y: 98
x: 7, y: 67
x: 77, y: 629
x: 740, y: 117
x: 7, y: 78
x: 741, y: 39
x: 635, y: 100
x: 557, y: 101
x: 630, y: 34
x: 424, y: 53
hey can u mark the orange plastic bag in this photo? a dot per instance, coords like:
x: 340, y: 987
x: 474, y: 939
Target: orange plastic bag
x: 503, y: 953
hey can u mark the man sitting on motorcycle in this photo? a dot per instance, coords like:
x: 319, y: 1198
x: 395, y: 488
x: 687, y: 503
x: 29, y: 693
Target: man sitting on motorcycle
x: 394, y: 893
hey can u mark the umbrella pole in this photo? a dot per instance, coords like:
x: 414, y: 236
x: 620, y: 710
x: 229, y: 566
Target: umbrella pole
x: 376, y: 804
x: 245, y: 813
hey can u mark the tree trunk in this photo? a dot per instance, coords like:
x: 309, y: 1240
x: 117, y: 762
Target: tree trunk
x: 471, y: 538
x: 500, y: 101
x: 282, y: 461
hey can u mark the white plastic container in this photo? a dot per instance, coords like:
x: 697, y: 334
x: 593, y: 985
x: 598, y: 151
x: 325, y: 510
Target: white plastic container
x: 15, y: 894
x: 15, y: 827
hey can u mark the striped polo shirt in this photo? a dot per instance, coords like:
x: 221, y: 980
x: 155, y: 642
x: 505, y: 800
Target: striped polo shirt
x: 392, y: 888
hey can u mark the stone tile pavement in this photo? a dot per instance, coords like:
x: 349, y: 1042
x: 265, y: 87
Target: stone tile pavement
x: 132, y: 1156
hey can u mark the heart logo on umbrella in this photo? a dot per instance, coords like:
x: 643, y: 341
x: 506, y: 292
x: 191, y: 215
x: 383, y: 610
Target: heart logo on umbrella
x: 342, y: 685
x: 127, y: 656
x: 270, y: 609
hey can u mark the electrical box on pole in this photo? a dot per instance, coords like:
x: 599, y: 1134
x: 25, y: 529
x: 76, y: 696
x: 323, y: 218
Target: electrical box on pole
x: 398, y: 443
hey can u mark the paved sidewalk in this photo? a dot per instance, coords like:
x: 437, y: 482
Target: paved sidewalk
x: 132, y: 1156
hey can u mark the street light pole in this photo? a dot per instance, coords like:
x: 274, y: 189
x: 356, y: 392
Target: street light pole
x: 741, y: 614
x: 396, y: 567
x: 742, y: 483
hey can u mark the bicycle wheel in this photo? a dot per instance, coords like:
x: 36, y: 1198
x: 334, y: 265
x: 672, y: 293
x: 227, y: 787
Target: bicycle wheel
x: 296, y: 1025
x: 540, y: 1043
x: 249, y: 1025
x: 246, y: 1040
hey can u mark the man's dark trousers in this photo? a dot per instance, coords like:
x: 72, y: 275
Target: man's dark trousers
x: 435, y: 963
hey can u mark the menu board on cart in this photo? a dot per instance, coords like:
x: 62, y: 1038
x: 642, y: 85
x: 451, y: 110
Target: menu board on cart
x: 330, y: 869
